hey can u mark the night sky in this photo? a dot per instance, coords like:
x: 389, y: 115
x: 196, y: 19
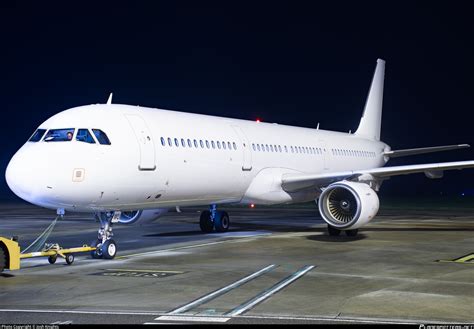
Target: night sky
x: 292, y: 62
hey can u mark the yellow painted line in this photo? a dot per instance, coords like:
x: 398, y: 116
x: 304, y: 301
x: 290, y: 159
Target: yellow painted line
x: 144, y: 271
x: 454, y: 261
x: 467, y: 259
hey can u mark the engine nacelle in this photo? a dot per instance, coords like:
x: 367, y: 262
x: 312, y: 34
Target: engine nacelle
x: 348, y: 205
x: 142, y: 216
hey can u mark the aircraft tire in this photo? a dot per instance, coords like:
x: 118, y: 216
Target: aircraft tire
x: 352, y: 233
x: 96, y: 254
x: 222, y: 222
x: 205, y: 222
x: 109, y: 249
x: 333, y: 231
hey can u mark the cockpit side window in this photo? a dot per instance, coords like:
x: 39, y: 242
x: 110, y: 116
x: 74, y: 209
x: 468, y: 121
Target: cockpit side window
x: 83, y: 135
x: 101, y: 137
x: 38, y: 134
x: 59, y: 135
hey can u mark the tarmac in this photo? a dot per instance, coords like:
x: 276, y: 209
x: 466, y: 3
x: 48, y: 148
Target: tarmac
x: 274, y: 266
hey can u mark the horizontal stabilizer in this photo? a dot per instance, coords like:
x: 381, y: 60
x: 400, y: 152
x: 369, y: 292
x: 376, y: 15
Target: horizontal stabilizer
x: 423, y: 150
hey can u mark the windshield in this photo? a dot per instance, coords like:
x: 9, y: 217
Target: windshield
x: 101, y: 137
x: 59, y: 135
x: 37, y: 135
x: 83, y: 135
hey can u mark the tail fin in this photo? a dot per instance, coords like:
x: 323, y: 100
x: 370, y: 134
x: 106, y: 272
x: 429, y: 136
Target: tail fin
x: 370, y: 122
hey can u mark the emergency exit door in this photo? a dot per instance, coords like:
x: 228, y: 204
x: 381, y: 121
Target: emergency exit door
x: 247, y: 155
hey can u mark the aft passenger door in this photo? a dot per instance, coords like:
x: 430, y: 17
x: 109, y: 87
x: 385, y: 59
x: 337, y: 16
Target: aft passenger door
x: 145, y: 142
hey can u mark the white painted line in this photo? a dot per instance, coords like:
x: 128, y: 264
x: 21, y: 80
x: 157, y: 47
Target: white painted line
x: 191, y: 318
x: 62, y: 322
x: 80, y: 312
x: 339, y: 319
x: 149, y: 253
x: 222, y: 291
x: 269, y: 317
x: 164, y: 323
x: 277, y: 287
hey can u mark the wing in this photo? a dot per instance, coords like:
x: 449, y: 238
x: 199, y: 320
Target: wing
x: 295, y: 182
x: 423, y: 150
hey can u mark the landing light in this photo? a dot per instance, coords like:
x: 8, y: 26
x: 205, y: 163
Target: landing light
x: 252, y: 206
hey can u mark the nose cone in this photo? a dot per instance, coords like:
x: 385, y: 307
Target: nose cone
x: 17, y: 176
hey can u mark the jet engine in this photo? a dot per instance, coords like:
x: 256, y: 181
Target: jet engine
x: 348, y: 205
x: 142, y: 216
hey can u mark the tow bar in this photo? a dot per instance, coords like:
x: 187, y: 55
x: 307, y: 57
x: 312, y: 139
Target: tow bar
x: 10, y: 255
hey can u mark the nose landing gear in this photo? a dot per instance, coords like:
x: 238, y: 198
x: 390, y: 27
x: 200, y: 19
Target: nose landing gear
x: 105, y: 246
x: 213, y: 219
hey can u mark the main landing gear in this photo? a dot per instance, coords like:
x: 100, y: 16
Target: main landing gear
x: 336, y: 232
x: 213, y: 219
x: 105, y: 246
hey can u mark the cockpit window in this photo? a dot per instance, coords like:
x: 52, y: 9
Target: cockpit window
x: 83, y: 135
x: 101, y: 137
x: 59, y: 135
x: 39, y: 133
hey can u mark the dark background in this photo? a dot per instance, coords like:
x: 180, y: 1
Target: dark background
x: 292, y: 62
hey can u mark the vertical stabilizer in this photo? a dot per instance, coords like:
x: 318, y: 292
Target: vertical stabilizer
x: 370, y: 122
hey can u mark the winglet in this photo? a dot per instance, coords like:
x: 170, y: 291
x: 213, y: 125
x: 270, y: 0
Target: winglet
x: 109, y: 101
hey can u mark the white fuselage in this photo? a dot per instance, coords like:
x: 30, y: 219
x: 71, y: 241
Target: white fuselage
x: 138, y: 172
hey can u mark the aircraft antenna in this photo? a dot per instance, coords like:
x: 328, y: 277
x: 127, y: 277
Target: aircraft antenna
x: 109, y: 101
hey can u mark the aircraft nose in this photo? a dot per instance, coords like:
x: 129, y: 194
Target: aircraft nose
x: 17, y: 174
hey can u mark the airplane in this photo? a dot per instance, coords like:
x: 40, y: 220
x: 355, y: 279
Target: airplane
x: 127, y: 163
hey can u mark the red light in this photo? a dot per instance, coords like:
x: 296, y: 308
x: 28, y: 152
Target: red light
x: 252, y: 206
x: 258, y: 120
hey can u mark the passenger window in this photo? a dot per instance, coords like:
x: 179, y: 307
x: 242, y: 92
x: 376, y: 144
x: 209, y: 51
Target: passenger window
x: 176, y: 142
x: 83, y: 135
x: 163, y: 141
x: 59, y: 135
x: 101, y: 137
x: 202, y: 143
x: 169, y: 142
x: 207, y: 143
x: 195, y: 143
x: 253, y: 146
x: 183, y: 143
x: 189, y: 143
x: 271, y: 147
x: 235, y: 146
x: 218, y: 145
x: 223, y: 145
x: 37, y: 135
x: 213, y: 144
x: 229, y: 145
